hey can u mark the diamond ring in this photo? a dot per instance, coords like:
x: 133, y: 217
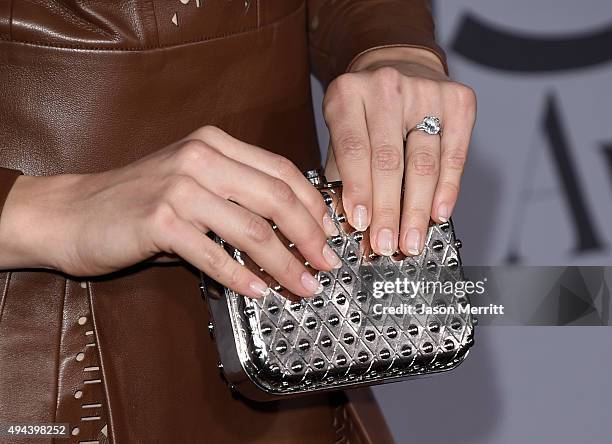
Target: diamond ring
x: 430, y: 125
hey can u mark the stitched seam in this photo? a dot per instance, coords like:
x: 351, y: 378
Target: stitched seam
x: 5, y: 293
x: 11, y: 19
x: 110, y: 416
x: 58, y: 353
x: 152, y: 3
x: 236, y: 34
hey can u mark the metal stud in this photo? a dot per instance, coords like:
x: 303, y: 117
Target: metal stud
x: 326, y: 341
x: 303, y: 345
x: 413, y: 330
x: 333, y: 320
x: 449, y: 344
x: 427, y: 347
x: 281, y: 347
x: 391, y: 332
x: 288, y: 327
x: 310, y: 323
x: 348, y: 338
x: 406, y: 350
x: 370, y: 335
x: 318, y: 363
x: 437, y: 245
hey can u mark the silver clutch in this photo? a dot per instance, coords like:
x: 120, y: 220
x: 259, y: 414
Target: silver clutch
x: 352, y: 333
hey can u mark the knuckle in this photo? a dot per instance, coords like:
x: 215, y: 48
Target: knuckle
x: 450, y: 187
x: 215, y: 260
x: 194, y: 152
x: 162, y: 217
x: 455, y: 160
x: 352, y: 148
x: 353, y: 188
x: 426, y: 88
x: 235, y: 276
x: 387, y: 213
x: 210, y: 131
x: 180, y: 187
x: 258, y: 230
x: 417, y: 215
x: 388, y: 76
x: 465, y: 96
x: 343, y: 84
x: 291, y: 266
x: 282, y: 193
x: 387, y: 158
x: 424, y: 163
x: 286, y: 169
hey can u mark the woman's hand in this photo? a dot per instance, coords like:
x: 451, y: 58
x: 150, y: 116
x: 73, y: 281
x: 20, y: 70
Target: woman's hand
x: 369, y: 111
x: 95, y: 224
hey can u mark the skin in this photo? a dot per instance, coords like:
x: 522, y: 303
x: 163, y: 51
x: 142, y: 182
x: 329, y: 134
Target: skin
x: 210, y: 181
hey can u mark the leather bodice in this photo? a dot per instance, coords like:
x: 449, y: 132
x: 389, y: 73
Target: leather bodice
x: 90, y: 85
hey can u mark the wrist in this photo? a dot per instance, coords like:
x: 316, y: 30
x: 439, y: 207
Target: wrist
x: 389, y: 56
x: 32, y: 226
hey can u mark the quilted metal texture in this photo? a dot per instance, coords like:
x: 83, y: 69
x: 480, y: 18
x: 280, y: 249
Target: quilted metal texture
x: 284, y: 345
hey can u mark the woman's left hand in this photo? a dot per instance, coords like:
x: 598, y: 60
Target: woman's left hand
x: 369, y: 111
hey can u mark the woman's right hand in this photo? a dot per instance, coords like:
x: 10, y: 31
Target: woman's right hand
x: 94, y: 224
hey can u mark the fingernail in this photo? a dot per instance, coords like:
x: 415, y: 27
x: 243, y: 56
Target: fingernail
x: 331, y: 257
x: 329, y: 226
x: 259, y: 288
x: 413, y: 241
x: 311, y: 284
x: 443, y: 212
x: 360, y: 217
x: 384, y: 241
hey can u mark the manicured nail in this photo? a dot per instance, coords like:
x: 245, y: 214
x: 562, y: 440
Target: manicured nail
x: 360, y: 217
x: 311, y: 284
x: 331, y: 257
x: 259, y: 288
x: 443, y: 212
x: 413, y: 241
x: 384, y: 240
x: 329, y: 227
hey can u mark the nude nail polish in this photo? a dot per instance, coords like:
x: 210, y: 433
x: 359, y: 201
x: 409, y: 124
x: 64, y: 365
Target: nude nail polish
x: 384, y: 241
x: 413, y: 241
x: 443, y: 212
x: 259, y: 288
x: 310, y: 284
x: 360, y: 217
x: 331, y: 257
x: 329, y: 227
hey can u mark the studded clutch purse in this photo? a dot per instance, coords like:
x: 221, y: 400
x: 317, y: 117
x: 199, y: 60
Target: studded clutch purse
x: 372, y: 323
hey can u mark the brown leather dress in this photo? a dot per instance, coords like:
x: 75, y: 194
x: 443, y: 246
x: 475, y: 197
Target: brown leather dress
x: 88, y: 85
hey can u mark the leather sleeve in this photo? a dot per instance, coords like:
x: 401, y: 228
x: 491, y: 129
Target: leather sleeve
x: 341, y: 30
x: 7, y: 179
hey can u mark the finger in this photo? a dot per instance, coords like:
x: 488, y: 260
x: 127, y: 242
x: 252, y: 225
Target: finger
x: 345, y: 118
x: 460, y: 112
x: 384, y: 115
x: 250, y: 233
x: 421, y: 177
x: 273, y: 165
x: 185, y: 240
x: 267, y: 196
